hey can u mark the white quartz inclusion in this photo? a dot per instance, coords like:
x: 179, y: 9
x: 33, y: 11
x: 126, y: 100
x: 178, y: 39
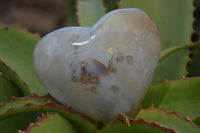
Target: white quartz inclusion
x: 101, y: 70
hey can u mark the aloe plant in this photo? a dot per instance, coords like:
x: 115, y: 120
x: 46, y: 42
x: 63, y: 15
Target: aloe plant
x: 170, y: 105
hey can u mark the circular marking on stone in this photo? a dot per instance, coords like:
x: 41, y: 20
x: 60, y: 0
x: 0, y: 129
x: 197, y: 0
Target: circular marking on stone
x: 129, y: 60
x: 115, y: 89
x: 73, y: 71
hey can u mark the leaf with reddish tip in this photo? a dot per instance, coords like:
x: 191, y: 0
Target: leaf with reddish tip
x: 123, y: 124
x: 13, y: 124
x: 181, y: 95
x: 50, y: 123
x: 168, y: 119
x: 18, y: 102
x: 16, y: 59
x: 76, y: 119
x: 71, y: 10
x: 89, y: 11
x: 8, y: 89
x: 174, y: 19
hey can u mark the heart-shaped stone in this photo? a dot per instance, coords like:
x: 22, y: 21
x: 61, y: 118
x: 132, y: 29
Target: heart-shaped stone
x: 101, y: 70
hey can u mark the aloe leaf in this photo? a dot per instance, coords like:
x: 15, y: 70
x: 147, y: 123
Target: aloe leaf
x: 197, y: 121
x: 171, y: 50
x: 89, y: 11
x: 50, y: 123
x: 110, y: 4
x: 181, y: 95
x: 194, y: 65
x: 8, y: 89
x: 123, y: 124
x: 18, y: 102
x: 168, y: 119
x: 174, y: 19
x: 76, y: 119
x: 16, y: 59
x: 70, y: 13
x: 13, y: 124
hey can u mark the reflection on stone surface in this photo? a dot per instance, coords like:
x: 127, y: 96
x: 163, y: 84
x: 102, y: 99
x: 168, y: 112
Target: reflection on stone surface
x: 106, y: 67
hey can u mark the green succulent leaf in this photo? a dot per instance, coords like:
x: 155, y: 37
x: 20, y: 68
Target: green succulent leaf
x: 194, y: 65
x: 197, y: 121
x: 110, y: 5
x: 71, y: 13
x: 181, y: 95
x: 15, y: 123
x: 50, y: 123
x: 123, y: 124
x: 174, y: 19
x: 76, y: 119
x: 168, y: 119
x: 89, y: 11
x: 11, y: 125
x: 32, y: 99
x: 16, y: 59
x: 8, y: 89
x: 174, y: 49
x: 137, y: 127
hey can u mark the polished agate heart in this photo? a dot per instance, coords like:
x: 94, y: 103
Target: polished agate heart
x: 101, y: 70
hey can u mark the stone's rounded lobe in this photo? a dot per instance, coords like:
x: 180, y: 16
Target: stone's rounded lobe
x: 101, y: 70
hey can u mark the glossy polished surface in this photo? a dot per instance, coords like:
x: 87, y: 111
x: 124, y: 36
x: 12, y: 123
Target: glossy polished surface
x: 101, y: 70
